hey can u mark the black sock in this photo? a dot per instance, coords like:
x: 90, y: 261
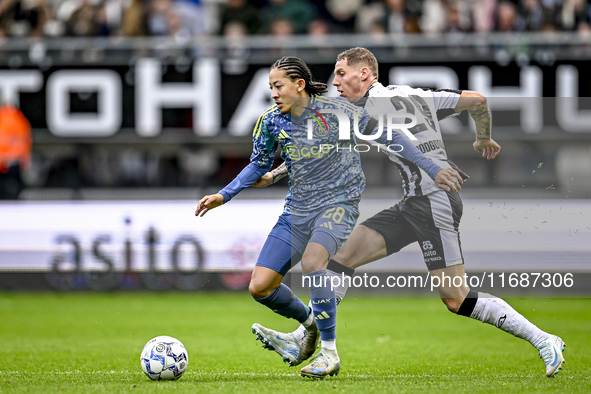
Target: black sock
x: 468, y: 305
x: 339, y: 268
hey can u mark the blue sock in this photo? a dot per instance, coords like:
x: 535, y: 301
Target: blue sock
x: 324, y: 303
x: 283, y: 302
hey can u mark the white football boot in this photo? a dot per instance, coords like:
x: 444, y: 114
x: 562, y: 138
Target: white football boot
x: 551, y: 352
x: 326, y: 363
x: 285, y: 344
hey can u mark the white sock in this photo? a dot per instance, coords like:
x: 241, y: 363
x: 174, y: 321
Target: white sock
x: 341, y: 284
x: 329, y: 345
x: 299, y: 333
x: 493, y: 310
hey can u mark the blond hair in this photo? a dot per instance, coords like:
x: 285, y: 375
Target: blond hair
x: 360, y: 57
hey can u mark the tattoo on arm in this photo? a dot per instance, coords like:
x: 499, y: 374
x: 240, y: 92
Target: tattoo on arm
x: 279, y: 172
x: 482, y: 118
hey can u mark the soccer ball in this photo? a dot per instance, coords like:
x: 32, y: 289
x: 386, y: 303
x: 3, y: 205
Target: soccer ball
x: 164, y: 358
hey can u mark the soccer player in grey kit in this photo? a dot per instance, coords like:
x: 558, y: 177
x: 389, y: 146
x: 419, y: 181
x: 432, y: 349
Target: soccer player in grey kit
x: 321, y: 208
x: 426, y: 214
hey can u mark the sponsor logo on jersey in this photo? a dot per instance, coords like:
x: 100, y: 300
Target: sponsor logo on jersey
x: 430, y: 145
x: 432, y: 259
x: 427, y: 245
x: 307, y: 152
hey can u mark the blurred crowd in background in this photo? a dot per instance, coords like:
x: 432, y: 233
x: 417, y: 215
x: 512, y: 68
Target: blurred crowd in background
x: 194, y: 18
x: 83, y: 165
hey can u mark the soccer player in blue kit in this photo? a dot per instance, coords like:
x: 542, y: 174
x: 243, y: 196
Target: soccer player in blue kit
x: 426, y: 215
x: 321, y: 208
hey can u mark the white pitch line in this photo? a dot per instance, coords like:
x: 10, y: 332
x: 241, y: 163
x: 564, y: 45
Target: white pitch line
x: 259, y: 374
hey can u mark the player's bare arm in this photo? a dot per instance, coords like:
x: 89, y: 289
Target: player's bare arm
x: 208, y: 203
x: 477, y: 105
x: 272, y: 176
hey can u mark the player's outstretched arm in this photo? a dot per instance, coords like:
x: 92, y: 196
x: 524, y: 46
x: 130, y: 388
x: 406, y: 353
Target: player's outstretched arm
x: 405, y: 148
x: 477, y: 105
x: 247, y: 177
x: 264, y: 181
x: 208, y: 203
x: 272, y: 177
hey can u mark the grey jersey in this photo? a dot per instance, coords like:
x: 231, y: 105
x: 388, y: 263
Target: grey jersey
x: 428, y: 106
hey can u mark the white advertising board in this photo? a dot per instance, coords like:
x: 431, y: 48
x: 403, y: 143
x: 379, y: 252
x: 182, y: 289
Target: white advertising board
x: 512, y: 234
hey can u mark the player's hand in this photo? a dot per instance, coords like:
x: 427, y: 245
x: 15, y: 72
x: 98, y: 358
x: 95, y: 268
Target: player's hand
x: 208, y: 203
x: 264, y: 181
x: 449, y: 179
x: 489, y: 148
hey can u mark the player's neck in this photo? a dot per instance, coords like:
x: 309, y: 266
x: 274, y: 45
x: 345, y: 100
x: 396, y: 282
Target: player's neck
x: 299, y: 105
x: 369, y: 85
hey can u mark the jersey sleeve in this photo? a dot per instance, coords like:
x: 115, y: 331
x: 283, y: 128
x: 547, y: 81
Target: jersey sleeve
x: 445, y: 101
x: 263, y: 153
x: 408, y: 151
x: 264, y: 145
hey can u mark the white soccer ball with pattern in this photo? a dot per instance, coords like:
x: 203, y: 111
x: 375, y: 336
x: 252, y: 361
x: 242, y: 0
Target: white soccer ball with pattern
x: 164, y: 358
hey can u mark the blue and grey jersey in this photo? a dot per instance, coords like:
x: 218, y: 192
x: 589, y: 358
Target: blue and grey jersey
x: 323, y: 164
x: 320, y: 151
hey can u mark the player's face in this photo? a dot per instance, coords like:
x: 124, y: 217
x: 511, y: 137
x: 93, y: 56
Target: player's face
x: 347, y: 80
x: 283, y: 89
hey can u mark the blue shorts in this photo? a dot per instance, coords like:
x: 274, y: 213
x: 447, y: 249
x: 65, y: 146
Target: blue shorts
x: 330, y: 227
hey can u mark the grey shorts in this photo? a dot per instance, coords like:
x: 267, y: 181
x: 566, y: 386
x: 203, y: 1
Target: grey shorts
x: 430, y: 220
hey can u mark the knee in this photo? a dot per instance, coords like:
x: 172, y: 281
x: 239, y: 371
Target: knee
x: 259, y: 289
x: 308, y: 266
x: 311, y: 264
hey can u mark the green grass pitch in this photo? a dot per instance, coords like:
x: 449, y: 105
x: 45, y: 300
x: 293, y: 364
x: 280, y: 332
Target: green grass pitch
x: 91, y: 342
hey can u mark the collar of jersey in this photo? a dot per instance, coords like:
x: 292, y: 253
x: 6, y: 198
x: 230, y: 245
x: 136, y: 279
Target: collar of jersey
x: 306, y: 112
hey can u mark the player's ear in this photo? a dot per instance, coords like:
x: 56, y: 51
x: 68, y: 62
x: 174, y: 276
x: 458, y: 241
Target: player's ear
x: 301, y: 84
x: 364, y: 73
